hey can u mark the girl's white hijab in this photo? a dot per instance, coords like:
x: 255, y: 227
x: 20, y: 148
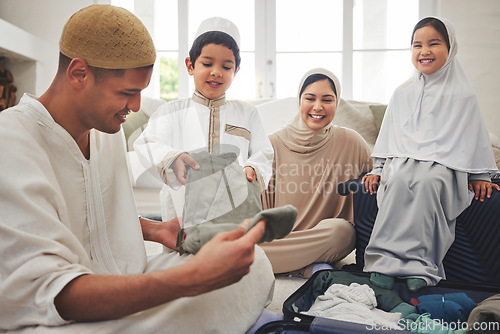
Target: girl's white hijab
x: 297, y: 136
x: 436, y: 117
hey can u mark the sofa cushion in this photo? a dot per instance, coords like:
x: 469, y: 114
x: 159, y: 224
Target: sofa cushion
x: 275, y: 114
x: 496, y: 152
x: 357, y: 116
x: 137, y: 121
x: 135, y: 124
x: 378, y: 111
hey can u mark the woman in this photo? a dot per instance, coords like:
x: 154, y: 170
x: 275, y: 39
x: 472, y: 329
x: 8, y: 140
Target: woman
x: 311, y: 157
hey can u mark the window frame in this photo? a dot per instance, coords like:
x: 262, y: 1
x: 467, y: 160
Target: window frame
x: 265, y: 47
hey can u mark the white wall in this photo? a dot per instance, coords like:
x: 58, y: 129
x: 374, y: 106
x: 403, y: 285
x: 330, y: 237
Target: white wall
x: 21, y: 50
x: 477, y: 25
x: 45, y: 20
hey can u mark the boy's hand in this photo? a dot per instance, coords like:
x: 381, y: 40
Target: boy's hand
x: 371, y: 183
x: 180, y: 169
x: 250, y: 173
x: 482, y: 188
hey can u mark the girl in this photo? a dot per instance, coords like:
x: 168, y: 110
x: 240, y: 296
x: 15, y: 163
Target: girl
x: 433, y: 153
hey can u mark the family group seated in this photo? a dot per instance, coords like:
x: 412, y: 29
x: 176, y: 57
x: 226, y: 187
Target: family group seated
x: 252, y: 206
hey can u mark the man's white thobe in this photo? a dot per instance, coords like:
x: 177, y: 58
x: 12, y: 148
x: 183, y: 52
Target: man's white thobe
x: 63, y: 216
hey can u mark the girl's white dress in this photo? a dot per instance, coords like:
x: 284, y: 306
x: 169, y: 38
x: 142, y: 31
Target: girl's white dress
x: 432, y: 142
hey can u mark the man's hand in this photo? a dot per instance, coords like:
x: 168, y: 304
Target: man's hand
x: 482, y: 189
x: 371, y: 182
x: 250, y: 173
x: 179, y: 166
x: 226, y: 258
x: 222, y: 261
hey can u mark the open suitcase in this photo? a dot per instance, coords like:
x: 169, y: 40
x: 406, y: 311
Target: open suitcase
x: 472, y: 266
x: 304, y: 297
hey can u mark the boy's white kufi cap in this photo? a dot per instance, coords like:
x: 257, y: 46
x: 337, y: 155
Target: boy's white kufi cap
x: 219, y: 24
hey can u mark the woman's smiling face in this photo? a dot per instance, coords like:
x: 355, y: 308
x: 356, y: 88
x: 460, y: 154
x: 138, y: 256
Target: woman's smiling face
x: 318, y: 103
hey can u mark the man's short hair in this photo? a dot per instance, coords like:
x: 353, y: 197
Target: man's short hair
x: 100, y: 74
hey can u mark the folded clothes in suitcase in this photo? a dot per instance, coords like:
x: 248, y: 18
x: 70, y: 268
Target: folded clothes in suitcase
x: 397, y: 299
x: 473, y: 257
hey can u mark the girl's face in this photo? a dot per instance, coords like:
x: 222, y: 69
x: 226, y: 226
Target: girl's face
x: 318, y: 104
x: 429, y: 50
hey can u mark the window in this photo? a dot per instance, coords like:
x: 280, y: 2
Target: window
x: 364, y: 42
x: 381, y: 39
x: 242, y: 13
x: 308, y: 35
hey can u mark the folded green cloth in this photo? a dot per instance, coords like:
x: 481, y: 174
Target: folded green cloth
x: 406, y: 310
x: 280, y: 222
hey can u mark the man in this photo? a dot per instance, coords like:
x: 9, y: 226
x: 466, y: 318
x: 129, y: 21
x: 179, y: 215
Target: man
x: 71, y: 243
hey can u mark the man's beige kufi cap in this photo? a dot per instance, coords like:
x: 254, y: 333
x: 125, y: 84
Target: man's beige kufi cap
x: 107, y: 36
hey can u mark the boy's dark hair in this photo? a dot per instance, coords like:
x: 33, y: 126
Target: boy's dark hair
x: 100, y: 74
x: 215, y: 37
x: 436, y: 24
x: 317, y: 77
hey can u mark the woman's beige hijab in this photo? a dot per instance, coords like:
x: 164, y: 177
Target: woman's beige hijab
x: 297, y: 136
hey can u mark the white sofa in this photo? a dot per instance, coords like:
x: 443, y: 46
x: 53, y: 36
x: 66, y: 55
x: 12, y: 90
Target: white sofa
x: 364, y: 117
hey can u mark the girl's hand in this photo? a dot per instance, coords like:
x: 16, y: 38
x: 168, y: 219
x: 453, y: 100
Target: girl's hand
x: 482, y: 189
x: 371, y: 183
x: 250, y: 173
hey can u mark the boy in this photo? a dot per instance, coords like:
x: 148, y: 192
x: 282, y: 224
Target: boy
x: 206, y: 120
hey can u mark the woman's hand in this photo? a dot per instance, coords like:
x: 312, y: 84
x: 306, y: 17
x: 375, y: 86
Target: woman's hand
x: 482, y: 189
x: 371, y: 182
x: 250, y: 173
